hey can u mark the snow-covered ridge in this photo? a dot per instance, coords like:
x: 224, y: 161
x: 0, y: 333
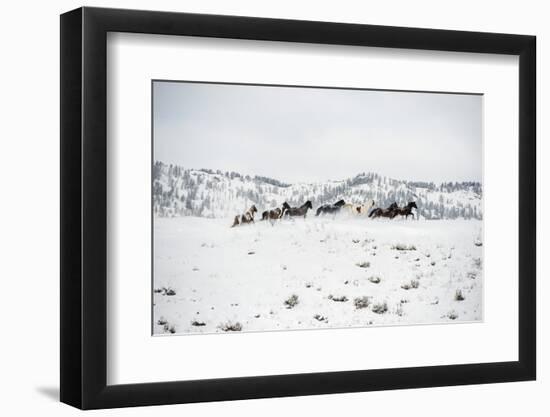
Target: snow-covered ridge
x: 179, y: 191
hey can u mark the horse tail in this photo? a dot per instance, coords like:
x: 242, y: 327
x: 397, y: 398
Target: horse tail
x: 319, y: 210
x: 236, y: 221
x: 265, y: 215
x: 373, y: 212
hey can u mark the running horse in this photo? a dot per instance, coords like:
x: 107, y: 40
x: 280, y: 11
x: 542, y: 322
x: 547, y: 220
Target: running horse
x: 247, y: 217
x: 387, y: 212
x: 359, y: 209
x: 405, y: 211
x: 274, y: 214
x: 297, y: 211
x: 331, y: 208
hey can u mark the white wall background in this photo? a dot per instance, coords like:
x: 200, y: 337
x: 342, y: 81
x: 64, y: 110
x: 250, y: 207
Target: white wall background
x: 29, y: 225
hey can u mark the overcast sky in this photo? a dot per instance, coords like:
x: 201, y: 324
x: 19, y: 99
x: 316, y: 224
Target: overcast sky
x: 312, y: 134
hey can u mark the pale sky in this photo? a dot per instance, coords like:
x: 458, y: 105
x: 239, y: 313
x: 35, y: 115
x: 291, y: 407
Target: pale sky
x: 314, y: 134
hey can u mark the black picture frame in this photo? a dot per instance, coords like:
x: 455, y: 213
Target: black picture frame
x: 84, y: 207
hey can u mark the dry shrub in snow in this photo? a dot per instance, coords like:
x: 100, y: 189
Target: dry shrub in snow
x: 319, y: 317
x: 452, y: 315
x: 162, y: 321
x: 401, y: 246
x: 164, y: 291
x: 291, y: 301
x: 411, y: 285
x: 459, y: 296
x: 380, y: 308
x: 363, y: 264
x: 361, y: 302
x: 374, y: 280
x: 341, y: 298
x: 231, y: 327
x: 399, y: 310
x: 198, y: 323
x: 169, y: 328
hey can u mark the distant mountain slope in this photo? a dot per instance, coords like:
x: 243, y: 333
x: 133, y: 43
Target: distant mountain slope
x: 178, y: 191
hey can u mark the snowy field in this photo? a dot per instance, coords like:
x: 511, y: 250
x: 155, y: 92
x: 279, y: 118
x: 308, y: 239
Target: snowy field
x: 314, y: 273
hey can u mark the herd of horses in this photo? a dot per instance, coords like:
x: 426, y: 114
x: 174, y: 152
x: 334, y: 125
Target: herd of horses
x: 287, y: 211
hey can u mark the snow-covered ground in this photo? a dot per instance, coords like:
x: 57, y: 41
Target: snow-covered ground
x: 314, y: 273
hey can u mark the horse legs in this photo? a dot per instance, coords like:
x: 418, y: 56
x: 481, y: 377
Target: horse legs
x: 374, y: 213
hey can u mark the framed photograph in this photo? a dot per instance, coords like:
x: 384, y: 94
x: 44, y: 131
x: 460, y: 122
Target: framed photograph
x: 255, y: 208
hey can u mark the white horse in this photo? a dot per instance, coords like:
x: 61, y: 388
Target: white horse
x: 359, y: 209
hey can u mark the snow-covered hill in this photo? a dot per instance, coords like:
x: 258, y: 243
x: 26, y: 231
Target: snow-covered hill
x: 178, y: 191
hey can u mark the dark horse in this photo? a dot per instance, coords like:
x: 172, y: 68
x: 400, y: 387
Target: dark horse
x: 405, y: 211
x: 296, y: 211
x: 387, y: 212
x: 330, y: 208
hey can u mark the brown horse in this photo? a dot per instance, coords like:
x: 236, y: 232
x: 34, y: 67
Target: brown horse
x: 387, y: 212
x: 247, y: 217
x: 274, y: 214
x: 405, y: 211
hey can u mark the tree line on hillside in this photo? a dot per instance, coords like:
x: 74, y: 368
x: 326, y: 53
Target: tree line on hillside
x: 212, y: 193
